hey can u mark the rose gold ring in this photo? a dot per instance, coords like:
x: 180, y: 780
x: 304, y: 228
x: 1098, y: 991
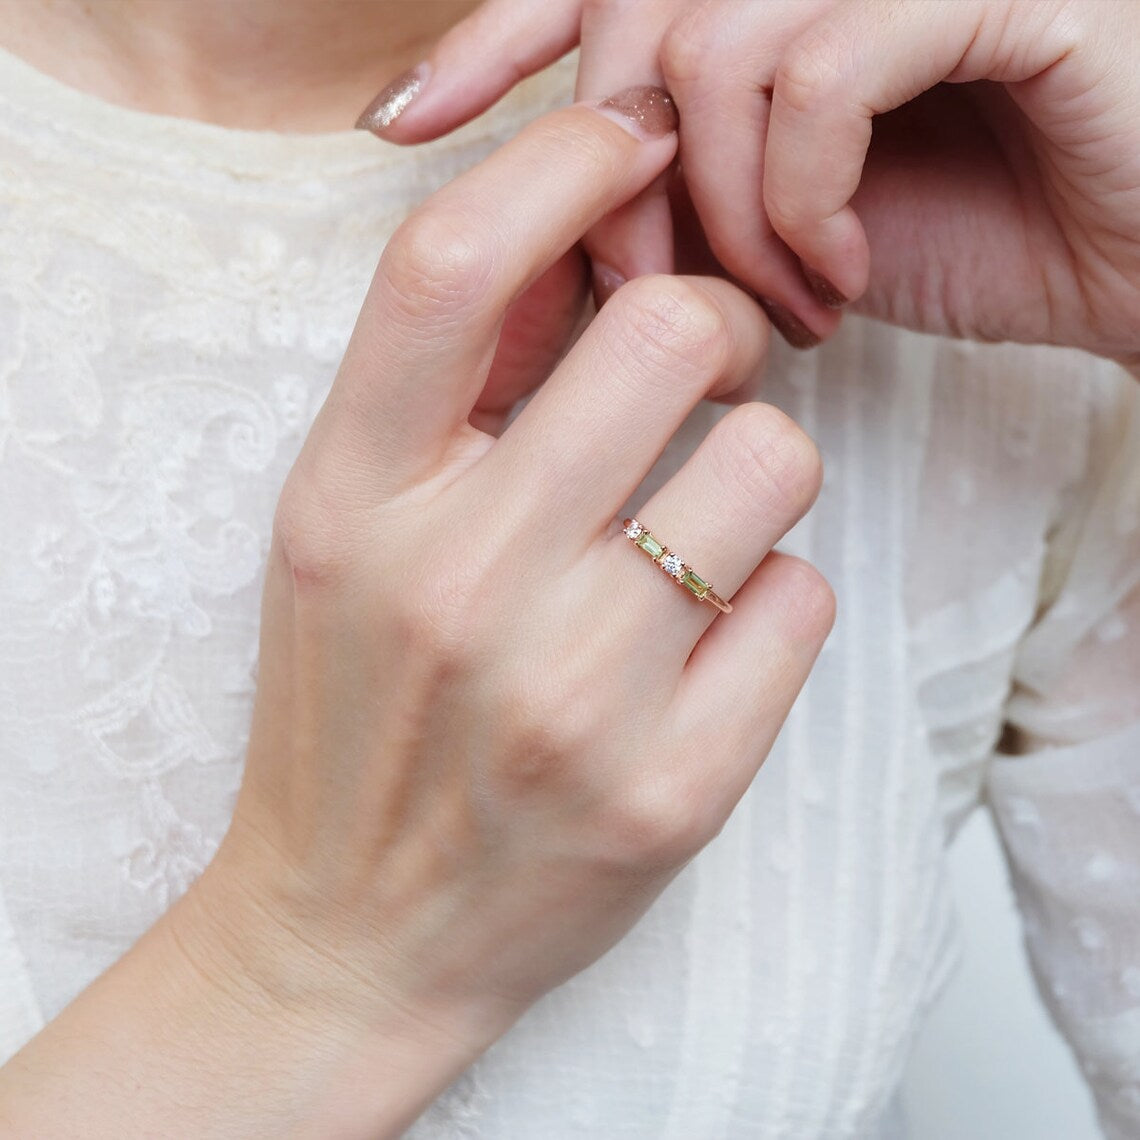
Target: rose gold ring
x: 674, y: 565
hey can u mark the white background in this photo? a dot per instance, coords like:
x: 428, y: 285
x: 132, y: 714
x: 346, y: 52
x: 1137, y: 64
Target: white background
x: 989, y: 1064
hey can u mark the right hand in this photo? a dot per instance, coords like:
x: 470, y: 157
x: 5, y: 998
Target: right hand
x: 487, y: 729
x: 984, y: 151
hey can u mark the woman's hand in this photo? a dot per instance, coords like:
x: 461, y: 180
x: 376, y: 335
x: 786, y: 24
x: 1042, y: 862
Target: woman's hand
x: 999, y: 197
x: 487, y: 729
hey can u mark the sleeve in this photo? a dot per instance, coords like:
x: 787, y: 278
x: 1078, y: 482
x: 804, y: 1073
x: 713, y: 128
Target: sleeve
x: 1065, y: 788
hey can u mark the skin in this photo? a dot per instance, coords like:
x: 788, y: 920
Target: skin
x: 419, y: 853
x: 287, y: 65
x: 998, y: 198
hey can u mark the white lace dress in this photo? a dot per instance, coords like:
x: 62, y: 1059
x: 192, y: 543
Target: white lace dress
x: 174, y: 298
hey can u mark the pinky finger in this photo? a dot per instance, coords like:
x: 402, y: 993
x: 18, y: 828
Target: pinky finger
x: 757, y: 659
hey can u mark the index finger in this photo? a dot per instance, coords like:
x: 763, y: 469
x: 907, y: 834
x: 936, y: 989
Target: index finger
x: 427, y: 331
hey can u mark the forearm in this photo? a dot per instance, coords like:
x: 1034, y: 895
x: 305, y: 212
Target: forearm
x: 176, y: 1039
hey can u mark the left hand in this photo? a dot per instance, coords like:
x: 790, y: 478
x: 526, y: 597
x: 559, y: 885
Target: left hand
x: 999, y: 198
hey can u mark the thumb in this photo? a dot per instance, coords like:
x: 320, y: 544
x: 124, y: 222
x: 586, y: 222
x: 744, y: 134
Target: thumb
x: 472, y: 67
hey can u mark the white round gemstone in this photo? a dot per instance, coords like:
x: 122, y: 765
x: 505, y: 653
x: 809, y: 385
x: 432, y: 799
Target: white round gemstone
x: 672, y: 564
x: 634, y: 529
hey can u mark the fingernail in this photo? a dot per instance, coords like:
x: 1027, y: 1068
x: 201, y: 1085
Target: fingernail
x: 790, y: 327
x: 646, y: 112
x: 823, y: 289
x: 607, y: 281
x: 391, y: 103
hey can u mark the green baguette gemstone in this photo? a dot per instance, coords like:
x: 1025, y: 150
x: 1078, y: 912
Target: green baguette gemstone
x: 650, y: 545
x: 695, y: 583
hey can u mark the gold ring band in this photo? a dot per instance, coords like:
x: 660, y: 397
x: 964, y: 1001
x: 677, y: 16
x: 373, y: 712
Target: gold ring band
x: 674, y: 565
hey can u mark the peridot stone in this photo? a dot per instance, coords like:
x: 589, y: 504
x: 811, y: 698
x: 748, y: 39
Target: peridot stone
x: 695, y: 583
x: 650, y: 545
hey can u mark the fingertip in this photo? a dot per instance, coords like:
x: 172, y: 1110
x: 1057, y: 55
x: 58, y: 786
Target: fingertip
x: 645, y: 110
x: 470, y: 68
x: 379, y: 116
x: 788, y: 324
x: 826, y: 293
x: 834, y: 258
x: 425, y: 103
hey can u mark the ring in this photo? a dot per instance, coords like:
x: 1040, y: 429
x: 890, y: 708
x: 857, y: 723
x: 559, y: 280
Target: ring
x: 674, y: 565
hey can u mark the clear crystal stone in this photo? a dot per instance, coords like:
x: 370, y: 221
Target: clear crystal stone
x: 672, y: 564
x: 633, y: 529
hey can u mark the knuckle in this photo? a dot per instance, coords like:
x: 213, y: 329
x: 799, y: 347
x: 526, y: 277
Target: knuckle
x: 808, y: 73
x: 309, y: 541
x: 789, y: 214
x: 673, y: 324
x: 436, y: 266
x: 764, y: 453
x: 656, y: 825
x: 686, y: 46
x: 553, y: 725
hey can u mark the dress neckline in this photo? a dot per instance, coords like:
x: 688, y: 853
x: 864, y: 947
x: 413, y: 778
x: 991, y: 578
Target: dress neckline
x: 58, y: 115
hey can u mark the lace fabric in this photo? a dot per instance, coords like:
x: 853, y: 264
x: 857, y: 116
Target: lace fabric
x: 175, y: 300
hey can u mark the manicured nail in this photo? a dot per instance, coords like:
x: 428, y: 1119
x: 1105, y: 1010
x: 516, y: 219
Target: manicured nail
x: 607, y: 281
x: 790, y: 327
x: 391, y: 103
x: 646, y: 112
x: 823, y: 289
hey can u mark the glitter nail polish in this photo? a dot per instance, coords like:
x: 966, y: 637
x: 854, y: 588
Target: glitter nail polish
x: 826, y: 293
x: 648, y: 112
x: 789, y: 326
x: 387, y: 107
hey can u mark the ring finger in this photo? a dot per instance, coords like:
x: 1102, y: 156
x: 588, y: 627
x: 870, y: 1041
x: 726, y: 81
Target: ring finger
x: 751, y: 479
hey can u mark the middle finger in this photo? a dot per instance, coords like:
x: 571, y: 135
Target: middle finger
x: 589, y: 436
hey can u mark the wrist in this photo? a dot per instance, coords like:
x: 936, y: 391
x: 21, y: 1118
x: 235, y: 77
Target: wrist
x: 331, y: 1019
x: 193, y: 1034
